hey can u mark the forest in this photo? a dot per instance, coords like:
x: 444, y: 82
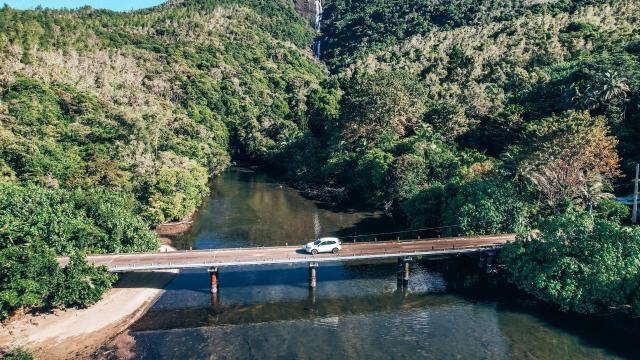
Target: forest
x: 468, y: 117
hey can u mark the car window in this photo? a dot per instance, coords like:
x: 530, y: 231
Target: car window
x: 331, y: 242
x: 323, y: 243
x: 317, y: 242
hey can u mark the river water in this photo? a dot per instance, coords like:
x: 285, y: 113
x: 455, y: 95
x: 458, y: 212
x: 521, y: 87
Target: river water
x: 450, y: 310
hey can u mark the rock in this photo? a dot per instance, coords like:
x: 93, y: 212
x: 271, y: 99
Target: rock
x: 306, y: 9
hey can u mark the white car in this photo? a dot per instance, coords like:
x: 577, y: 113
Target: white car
x: 324, y: 245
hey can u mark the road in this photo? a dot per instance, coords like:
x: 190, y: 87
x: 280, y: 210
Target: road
x: 293, y: 254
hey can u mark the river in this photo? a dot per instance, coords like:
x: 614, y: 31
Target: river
x: 451, y: 309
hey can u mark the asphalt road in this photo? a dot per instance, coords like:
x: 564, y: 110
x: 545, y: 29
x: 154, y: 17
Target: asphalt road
x: 292, y: 254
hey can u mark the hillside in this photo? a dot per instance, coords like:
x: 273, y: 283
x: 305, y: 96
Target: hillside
x: 488, y: 117
x: 482, y: 83
x: 113, y: 122
x: 462, y: 116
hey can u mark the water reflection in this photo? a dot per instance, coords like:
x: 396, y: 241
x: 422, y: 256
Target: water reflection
x: 449, y: 310
x: 248, y: 208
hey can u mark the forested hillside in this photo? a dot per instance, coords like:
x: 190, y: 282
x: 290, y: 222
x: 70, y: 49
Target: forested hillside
x: 484, y: 117
x: 111, y: 123
x: 467, y: 117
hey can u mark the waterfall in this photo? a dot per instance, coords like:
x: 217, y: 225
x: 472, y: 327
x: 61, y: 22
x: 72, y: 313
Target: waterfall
x: 317, y: 227
x: 318, y: 42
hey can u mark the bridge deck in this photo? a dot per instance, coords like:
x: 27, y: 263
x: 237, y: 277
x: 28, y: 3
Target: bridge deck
x: 293, y: 254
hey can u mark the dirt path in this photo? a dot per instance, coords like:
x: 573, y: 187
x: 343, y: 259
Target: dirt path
x: 76, y: 333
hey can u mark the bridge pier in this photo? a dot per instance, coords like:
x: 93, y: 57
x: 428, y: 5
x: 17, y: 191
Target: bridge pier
x: 490, y: 258
x: 485, y: 261
x: 312, y: 296
x: 215, y: 301
x: 312, y: 274
x: 404, y: 271
x: 482, y: 261
x: 213, y: 275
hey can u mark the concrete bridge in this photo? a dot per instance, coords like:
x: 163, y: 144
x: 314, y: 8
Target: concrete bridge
x: 212, y: 259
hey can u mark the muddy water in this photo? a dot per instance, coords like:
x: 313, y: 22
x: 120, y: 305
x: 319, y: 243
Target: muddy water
x: 450, y: 310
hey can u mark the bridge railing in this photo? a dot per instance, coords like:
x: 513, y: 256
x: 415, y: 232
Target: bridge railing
x: 409, y: 234
x: 348, y: 255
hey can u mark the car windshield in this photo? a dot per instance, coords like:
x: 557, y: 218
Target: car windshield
x: 317, y: 242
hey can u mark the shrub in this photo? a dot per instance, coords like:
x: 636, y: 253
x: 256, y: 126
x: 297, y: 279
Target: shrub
x: 18, y: 354
x: 612, y: 210
x: 577, y: 263
x: 482, y: 206
x: 82, y: 284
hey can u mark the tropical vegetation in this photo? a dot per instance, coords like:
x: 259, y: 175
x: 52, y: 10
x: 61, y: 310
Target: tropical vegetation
x: 457, y: 116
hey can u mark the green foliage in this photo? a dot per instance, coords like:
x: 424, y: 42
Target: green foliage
x: 481, y: 206
x: 28, y: 277
x: 94, y: 221
x: 475, y: 207
x: 82, y: 284
x: 578, y: 263
x: 370, y: 174
x: 175, y: 193
x: 31, y: 277
x: 424, y: 209
x: 111, y: 123
x: 17, y: 354
x: 36, y: 224
x: 375, y: 106
x: 636, y: 301
x: 612, y: 210
x: 356, y: 28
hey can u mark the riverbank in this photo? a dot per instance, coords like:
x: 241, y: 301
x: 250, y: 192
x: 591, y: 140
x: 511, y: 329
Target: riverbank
x: 77, y: 333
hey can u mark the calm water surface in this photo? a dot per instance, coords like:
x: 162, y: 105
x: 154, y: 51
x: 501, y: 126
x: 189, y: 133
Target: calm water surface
x: 449, y: 311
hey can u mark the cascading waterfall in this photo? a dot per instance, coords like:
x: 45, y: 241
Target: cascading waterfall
x: 318, y: 42
x: 317, y: 227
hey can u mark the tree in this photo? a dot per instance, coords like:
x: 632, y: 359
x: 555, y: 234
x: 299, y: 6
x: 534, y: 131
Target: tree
x: 577, y: 263
x: 448, y: 119
x: 607, y: 89
x: 424, y: 209
x: 569, y: 159
x: 28, y: 276
x: 484, y: 206
x: 82, y: 284
x: 383, y: 101
x: 370, y: 175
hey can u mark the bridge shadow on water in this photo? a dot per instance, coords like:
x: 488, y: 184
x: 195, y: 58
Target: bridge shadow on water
x: 286, y: 310
x: 248, y: 276
x: 518, y: 319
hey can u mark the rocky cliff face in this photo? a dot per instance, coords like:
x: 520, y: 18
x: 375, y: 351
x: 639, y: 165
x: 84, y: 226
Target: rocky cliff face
x: 306, y: 9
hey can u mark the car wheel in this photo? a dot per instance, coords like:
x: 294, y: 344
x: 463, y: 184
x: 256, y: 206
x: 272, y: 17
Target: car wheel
x: 314, y: 252
x: 335, y: 250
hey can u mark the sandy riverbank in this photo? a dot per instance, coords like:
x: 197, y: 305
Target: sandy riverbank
x: 77, y: 333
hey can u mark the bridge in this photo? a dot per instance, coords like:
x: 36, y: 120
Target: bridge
x: 212, y: 259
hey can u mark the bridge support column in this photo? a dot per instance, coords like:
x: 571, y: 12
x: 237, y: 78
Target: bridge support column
x: 312, y: 296
x: 404, y: 271
x: 213, y: 274
x: 215, y: 301
x: 312, y: 274
x: 490, y: 257
x: 407, y: 269
x: 400, y: 274
x: 482, y: 261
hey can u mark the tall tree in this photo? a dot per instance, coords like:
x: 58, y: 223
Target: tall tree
x: 569, y: 159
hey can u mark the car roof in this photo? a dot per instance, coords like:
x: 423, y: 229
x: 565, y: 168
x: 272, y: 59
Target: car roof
x: 329, y: 239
